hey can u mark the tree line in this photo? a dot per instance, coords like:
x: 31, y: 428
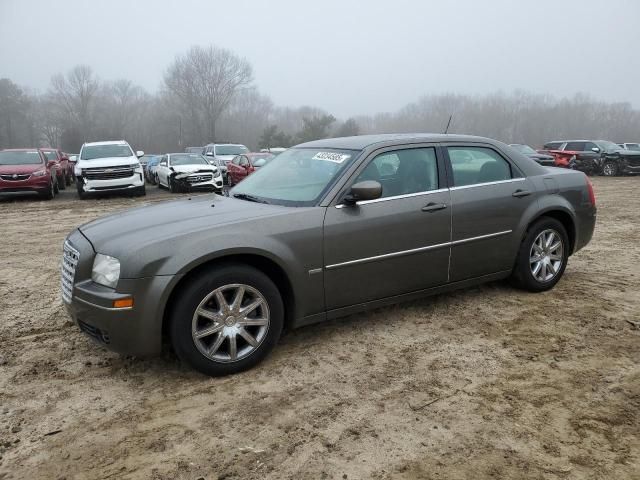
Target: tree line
x: 208, y: 94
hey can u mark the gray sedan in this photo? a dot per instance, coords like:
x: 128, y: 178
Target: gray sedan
x: 326, y: 229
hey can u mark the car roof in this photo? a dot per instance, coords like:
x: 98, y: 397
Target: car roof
x: 107, y: 142
x: 360, y: 142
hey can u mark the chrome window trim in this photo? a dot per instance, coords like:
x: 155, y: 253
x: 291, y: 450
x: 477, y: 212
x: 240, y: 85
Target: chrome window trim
x: 415, y: 250
x: 484, y: 184
x: 396, y: 197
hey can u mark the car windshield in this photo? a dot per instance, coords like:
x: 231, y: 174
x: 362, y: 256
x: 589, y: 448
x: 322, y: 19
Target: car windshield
x: 297, y: 177
x: 231, y: 149
x: 19, y: 158
x: 608, y: 146
x: 526, y: 149
x: 92, y: 152
x: 187, y: 159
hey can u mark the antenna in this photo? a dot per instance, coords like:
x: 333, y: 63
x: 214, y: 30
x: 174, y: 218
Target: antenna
x: 448, y: 124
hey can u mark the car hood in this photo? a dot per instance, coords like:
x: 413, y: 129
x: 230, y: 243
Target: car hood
x: 107, y: 162
x: 28, y: 168
x: 124, y: 233
x: 193, y: 168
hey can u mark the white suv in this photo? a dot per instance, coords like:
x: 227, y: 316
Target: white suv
x: 108, y: 166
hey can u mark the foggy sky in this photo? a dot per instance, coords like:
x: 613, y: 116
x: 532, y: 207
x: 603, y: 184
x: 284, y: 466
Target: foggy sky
x: 348, y: 57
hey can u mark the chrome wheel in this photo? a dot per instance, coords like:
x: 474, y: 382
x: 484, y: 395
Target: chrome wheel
x: 609, y: 169
x: 546, y: 255
x: 230, y: 323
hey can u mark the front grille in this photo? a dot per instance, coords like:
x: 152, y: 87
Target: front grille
x: 70, y: 257
x: 107, y: 173
x: 204, y: 177
x: 101, y: 336
x: 15, y: 177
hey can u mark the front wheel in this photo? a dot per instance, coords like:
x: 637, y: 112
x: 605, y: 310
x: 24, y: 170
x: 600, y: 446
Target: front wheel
x: 543, y: 256
x: 610, y: 169
x: 226, y: 320
x: 81, y: 193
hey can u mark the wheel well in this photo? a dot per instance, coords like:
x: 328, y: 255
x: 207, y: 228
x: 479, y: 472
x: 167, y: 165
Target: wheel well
x: 265, y: 265
x: 567, y: 222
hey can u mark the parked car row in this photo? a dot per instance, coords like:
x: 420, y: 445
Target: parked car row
x: 594, y: 157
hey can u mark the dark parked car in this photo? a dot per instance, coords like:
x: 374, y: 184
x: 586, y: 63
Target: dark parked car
x: 594, y: 156
x: 24, y: 171
x: 244, y: 165
x: 64, y: 169
x: 541, y: 158
x: 325, y: 229
x: 150, y: 169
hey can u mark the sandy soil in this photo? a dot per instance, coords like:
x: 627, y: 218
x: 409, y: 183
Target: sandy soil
x: 489, y: 382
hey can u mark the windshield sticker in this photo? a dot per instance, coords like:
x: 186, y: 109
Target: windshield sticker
x: 331, y: 157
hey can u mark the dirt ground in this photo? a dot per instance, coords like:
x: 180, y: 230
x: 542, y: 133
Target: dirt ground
x: 489, y: 382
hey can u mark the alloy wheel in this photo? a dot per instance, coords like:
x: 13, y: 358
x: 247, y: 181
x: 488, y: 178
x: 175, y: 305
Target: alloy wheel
x: 230, y: 323
x: 546, y: 255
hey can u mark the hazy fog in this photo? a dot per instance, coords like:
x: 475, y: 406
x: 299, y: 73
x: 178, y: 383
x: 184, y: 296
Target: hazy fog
x: 348, y: 57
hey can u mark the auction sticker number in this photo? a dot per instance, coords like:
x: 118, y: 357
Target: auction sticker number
x: 331, y: 157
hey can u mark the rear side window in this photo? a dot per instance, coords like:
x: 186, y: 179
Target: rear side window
x: 552, y: 145
x: 575, y: 146
x: 473, y: 165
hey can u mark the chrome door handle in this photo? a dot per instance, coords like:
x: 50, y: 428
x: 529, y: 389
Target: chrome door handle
x: 432, y: 207
x: 521, y: 193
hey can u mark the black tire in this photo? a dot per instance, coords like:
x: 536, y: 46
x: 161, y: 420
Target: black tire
x: 62, y: 182
x: 81, y: 193
x: 199, y: 287
x: 141, y: 191
x: 68, y: 179
x: 522, y: 275
x: 50, y: 193
x: 229, y: 180
x: 610, y: 169
x: 56, y: 186
x: 172, y: 186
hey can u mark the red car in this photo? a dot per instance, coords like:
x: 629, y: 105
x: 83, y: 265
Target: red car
x: 64, y: 168
x: 27, y: 170
x: 243, y: 165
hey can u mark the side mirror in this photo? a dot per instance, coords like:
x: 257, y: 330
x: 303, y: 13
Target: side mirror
x: 365, y: 190
x: 163, y: 164
x: 73, y: 158
x: 596, y: 149
x: 139, y: 153
x: 209, y: 154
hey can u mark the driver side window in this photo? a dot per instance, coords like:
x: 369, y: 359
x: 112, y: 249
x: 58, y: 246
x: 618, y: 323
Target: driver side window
x: 403, y: 172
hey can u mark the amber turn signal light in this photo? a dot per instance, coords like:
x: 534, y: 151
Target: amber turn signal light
x: 123, y: 303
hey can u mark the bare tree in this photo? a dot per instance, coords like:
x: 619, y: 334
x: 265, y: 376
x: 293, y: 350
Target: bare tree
x: 75, y: 93
x: 206, y: 80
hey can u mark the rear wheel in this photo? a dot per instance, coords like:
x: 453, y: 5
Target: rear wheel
x: 62, y: 182
x: 610, y: 169
x: 50, y: 193
x: 226, y: 320
x: 56, y: 186
x: 543, y: 256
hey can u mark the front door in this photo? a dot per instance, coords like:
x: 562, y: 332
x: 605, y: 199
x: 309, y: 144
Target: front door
x: 488, y: 199
x: 396, y: 244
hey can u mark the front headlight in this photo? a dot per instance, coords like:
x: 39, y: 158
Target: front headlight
x: 106, y: 270
x: 39, y: 173
x: 77, y: 170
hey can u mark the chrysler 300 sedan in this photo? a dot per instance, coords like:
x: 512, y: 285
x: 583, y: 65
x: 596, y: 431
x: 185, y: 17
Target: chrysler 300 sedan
x: 326, y: 229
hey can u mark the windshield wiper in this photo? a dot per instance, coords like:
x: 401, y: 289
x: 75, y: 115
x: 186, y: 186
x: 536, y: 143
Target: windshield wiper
x: 250, y: 198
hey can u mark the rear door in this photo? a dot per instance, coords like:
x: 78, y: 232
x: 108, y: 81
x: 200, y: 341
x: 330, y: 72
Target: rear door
x: 396, y: 244
x: 488, y: 198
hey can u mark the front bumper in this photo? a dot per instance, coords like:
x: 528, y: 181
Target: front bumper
x: 133, y: 331
x: 90, y: 186
x: 31, y: 185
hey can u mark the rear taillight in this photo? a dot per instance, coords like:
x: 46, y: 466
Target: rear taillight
x: 592, y: 196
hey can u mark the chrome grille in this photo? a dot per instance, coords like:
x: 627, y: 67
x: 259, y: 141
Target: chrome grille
x: 15, y: 177
x: 107, y: 173
x: 203, y: 177
x: 70, y: 257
